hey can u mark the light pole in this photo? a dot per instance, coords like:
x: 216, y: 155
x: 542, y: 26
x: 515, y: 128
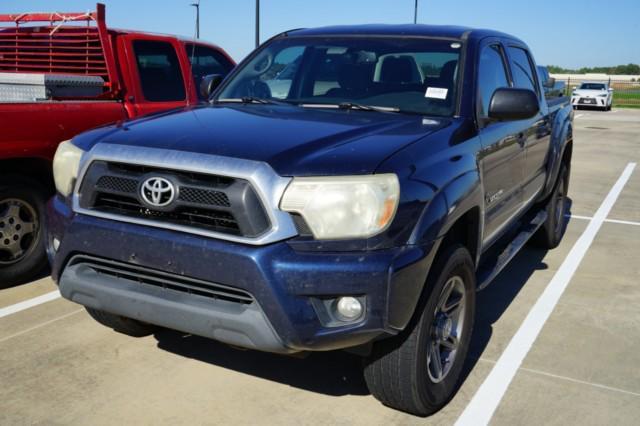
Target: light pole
x: 257, y: 23
x: 415, y: 13
x: 197, y: 6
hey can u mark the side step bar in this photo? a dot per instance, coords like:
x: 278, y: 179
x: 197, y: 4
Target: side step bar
x: 488, y: 271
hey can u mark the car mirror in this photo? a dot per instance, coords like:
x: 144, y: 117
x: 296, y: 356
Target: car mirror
x: 550, y: 83
x: 611, y: 89
x: 510, y: 103
x: 209, y: 83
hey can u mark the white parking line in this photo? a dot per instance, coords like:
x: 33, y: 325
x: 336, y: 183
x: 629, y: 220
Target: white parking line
x: 35, y: 327
x: 48, y: 297
x: 568, y: 379
x: 621, y: 222
x: 488, y: 397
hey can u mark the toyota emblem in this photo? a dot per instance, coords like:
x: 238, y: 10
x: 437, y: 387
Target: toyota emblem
x: 158, y: 191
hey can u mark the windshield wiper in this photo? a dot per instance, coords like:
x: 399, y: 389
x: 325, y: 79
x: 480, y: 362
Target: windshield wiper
x: 352, y: 105
x: 251, y: 100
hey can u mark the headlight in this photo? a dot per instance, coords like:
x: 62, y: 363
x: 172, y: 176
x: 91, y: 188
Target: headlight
x: 344, y: 206
x: 604, y: 95
x: 575, y: 94
x: 65, y: 167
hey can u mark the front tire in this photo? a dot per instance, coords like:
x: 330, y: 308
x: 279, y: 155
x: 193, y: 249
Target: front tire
x: 22, y: 254
x: 420, y: 370
x: 121, y: 324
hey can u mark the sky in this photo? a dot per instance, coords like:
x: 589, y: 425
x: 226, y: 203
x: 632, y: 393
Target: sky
x: 568, y: 33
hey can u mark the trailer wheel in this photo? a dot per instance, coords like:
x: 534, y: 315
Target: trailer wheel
x: 420, y: 370
x: 22, y: 206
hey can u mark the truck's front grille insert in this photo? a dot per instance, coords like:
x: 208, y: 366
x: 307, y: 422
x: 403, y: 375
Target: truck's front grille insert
x: 117, y: 184
x: 209, y: 202
x: 131, y: 207
x: 168, y: 281
x: 204, y: 196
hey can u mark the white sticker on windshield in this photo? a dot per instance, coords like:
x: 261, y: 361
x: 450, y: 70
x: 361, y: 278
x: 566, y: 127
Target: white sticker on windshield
x: 436, y: 93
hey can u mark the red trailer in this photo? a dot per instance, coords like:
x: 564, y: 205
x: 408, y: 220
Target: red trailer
x: 62, y: 74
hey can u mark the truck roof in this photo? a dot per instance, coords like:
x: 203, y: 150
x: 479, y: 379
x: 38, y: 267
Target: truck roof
x: 409, y: 30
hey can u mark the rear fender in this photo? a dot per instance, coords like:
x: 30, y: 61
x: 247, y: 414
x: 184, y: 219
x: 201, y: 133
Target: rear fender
x: 560, y: 137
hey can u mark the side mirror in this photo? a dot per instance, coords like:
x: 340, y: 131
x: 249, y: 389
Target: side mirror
x: 611, y: 89
x: 550, y: 83
x: 209, y: 83
x: 509, y: 103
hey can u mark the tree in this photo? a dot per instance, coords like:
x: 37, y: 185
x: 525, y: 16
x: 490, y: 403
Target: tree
x: 629, y: 69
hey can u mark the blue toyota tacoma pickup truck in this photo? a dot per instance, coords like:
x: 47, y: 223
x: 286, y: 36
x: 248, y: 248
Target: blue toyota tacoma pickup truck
x: 347, y: 187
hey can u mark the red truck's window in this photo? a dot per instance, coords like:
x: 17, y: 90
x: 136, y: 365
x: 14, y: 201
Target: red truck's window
x: 206, y: 61
x: 159, y: 70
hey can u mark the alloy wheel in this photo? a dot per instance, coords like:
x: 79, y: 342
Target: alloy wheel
x: 446, y: 329
x: 18, y: 230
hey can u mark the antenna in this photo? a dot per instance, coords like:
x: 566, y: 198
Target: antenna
x: 415, y: 13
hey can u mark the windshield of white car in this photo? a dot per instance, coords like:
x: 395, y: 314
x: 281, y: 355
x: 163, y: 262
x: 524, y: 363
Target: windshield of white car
x: 592, y: 86
x: 406, y: 75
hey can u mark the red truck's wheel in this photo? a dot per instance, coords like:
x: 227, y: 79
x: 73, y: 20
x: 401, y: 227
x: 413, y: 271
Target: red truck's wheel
x: 22, y: 254
x: 420, y: 370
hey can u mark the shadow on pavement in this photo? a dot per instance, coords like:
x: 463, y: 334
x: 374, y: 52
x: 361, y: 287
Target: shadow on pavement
x: 45, y: 272
x: 330, y: 373
x: 339, y: 373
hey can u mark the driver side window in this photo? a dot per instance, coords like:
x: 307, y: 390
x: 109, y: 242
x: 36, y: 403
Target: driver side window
x: 492, y: 75
x: 280, y: 72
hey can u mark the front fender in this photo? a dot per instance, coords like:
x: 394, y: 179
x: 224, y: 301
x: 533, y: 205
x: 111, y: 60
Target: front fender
x: 461, y: 195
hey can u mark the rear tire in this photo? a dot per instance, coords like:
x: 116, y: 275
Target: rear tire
x: 551, y: 232
x: 123, y: 325
x: 420, y: 370
x: 22, y: 207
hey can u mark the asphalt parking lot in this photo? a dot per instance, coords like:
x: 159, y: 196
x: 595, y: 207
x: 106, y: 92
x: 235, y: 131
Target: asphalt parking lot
x: 572, y: 315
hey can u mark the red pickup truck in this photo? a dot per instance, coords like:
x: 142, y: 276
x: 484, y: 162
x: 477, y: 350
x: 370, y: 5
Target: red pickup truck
x: 62, y: 74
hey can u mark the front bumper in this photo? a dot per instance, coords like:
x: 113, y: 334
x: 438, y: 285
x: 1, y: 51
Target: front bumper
x: 592, y: 101
x: 284, y: 283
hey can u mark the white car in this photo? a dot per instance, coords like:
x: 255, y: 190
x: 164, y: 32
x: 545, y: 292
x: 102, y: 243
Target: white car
x: 594, y: 95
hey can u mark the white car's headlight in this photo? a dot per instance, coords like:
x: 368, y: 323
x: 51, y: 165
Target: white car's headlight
x: 344, y: 206
x: 65, y: 167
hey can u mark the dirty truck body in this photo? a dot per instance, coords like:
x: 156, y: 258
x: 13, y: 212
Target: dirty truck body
x: 305, y: 210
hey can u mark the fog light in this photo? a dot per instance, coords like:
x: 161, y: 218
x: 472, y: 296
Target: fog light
x: 56, y: 244
x: 348, y: 308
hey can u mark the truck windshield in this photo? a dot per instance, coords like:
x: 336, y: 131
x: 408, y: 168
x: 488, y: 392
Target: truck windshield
x: 408, y: 75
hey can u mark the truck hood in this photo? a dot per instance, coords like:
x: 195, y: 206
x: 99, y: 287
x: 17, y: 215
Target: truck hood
x: 295, y: 141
